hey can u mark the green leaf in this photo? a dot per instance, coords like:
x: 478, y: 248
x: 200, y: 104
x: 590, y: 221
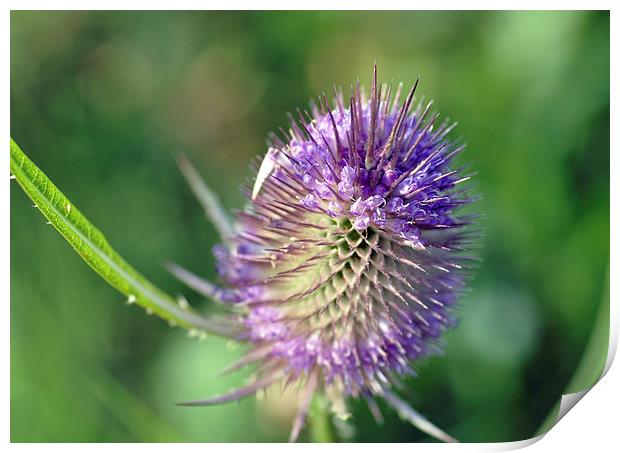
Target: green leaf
x: 93, y: 247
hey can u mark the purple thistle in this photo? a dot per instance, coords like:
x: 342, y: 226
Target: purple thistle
x: 342, y: 269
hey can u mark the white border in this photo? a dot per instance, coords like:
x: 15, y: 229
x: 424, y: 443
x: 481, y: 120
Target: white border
x: 311, y: 5
x: 592, y: 424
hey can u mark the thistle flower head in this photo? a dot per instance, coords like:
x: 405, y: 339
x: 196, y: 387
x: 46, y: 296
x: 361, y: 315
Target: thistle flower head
x: 343, y: 267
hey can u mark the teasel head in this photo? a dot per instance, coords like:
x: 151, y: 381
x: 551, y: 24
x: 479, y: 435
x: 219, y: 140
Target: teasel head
x: 343, y: 269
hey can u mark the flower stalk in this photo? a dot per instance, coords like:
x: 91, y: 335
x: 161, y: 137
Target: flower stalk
x: 321, y: 427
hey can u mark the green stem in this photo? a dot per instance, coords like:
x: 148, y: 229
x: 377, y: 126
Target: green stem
x: 319, y: 419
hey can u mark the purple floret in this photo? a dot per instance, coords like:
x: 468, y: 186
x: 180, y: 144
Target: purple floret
x: 351, y: 252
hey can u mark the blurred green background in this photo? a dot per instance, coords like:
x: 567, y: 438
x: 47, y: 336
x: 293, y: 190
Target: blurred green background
x: 103, y: 101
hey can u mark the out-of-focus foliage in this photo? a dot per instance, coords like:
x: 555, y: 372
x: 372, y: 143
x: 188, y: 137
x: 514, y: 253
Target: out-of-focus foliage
x: 102, y: 102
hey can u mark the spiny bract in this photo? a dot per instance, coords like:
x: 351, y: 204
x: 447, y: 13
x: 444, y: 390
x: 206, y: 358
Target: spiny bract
x: 342, y: 268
